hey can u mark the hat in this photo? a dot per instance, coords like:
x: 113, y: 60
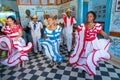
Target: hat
x: 63, y: 13
x: 34, y: 16
x: 46, y: 13
x: 54, y: 15
x: 68, y: 10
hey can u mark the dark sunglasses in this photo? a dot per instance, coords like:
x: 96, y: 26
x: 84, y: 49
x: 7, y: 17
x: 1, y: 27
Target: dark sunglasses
x: 34, y: 18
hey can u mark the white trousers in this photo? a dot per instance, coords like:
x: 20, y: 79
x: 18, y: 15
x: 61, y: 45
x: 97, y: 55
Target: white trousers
x: 36, y: 44
x: 68, y: 41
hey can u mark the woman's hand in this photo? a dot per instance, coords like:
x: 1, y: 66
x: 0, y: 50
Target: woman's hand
x: 105, y: 35
x: 110, y: 40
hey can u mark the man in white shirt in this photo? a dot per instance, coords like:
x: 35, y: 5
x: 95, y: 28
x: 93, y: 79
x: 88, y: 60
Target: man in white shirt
x: 35, y: 28
x: 69, y: 21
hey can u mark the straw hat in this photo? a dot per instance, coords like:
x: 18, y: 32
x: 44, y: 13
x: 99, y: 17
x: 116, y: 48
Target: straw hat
x: 34, y: 16
x: 46, y: 14
x: 54, y: 15
x: 64, y: 13
x: 68, y: 10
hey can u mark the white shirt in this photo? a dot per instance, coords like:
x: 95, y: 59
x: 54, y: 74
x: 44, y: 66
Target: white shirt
x: 37, y: 31
x: 69, y: 27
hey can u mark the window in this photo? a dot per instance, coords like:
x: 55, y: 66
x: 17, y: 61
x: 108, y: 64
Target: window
x: 52, y: 2
x: 44, y: 1
x: 35, y: 1
x: 64, y: 1
x: 59, y: 2
x: 41, y: 2
x: 24, y: 1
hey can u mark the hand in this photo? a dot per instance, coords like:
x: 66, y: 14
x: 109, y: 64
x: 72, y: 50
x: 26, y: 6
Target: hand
x: 111, y: 40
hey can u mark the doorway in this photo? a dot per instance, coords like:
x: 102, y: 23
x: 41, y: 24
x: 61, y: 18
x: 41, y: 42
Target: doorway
x: 85, y: 10
x: 108, y: 15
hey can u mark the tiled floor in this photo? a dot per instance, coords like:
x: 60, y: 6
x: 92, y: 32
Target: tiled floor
x: 38, y: 68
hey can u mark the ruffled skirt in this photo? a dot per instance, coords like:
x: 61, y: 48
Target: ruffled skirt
x: 17, y: 51
x: 88, y: 57
x: 51, y: 49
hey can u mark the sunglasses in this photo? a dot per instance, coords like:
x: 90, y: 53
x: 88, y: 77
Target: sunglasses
x: 34, y: 18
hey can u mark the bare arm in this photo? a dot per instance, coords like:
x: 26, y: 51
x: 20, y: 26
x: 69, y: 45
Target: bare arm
x: 20, y: 33
x: 105, y: 35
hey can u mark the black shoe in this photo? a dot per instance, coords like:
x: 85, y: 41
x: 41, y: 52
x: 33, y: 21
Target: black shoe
x: 35, y: 52
x: 69, y: 53
x: 50, y: 65
x: 40, y: 52
x: 57, y: 65
x: 83, y: 71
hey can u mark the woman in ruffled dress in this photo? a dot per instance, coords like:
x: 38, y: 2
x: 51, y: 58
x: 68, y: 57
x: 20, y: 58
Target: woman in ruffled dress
x: 89, y: 50
x: 14, y: 43
x: 51, y: 42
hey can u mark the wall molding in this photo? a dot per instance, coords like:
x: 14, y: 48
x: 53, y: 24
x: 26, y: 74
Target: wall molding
x: 116, y: 34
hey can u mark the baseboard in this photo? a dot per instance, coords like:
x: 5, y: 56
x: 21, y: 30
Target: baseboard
x: 114, y: 62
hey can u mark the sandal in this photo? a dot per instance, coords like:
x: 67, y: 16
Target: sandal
x: 57, y: 65
x: 51, y: 64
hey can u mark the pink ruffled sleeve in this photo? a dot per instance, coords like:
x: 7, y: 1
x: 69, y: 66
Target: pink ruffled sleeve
x: 98, y: 28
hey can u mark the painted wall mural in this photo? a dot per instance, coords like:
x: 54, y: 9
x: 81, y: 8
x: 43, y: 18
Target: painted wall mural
x: 39, y: 10
x: 115, y: 27
x: 99, y: 6
x: 70, y: 5
x: 115, y: 47
x: 115, y: 22
x: 100, y: 11
x: 115, y: 19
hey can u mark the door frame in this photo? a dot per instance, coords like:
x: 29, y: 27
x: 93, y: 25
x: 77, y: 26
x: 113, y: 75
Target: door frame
x: 80, y: 12
x: 108, y: 16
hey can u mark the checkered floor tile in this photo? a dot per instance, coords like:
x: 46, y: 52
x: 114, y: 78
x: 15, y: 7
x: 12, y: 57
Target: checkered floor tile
x: 37, y: 68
